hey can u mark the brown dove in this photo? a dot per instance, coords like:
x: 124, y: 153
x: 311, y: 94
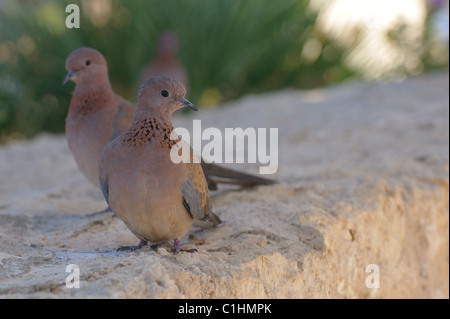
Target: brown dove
x: 157, y: 199
x: 165, y: 62
x: 97, y: 115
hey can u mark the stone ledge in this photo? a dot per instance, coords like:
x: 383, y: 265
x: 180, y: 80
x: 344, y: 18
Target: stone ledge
x: 364, y: 180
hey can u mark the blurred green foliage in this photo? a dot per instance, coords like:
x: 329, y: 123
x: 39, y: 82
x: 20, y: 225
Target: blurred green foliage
x: 229, y: 48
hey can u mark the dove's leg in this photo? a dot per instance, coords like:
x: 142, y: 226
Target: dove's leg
x: 141, y: 244
x: 177, y: 247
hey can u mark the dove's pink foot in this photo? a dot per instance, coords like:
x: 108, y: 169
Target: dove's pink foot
x: 177, y: 247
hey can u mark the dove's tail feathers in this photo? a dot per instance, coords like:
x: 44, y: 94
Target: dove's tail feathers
x: 216, y: 174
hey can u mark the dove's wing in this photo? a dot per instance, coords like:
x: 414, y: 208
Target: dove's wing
x: 123, y: 118
x: 196, y: 196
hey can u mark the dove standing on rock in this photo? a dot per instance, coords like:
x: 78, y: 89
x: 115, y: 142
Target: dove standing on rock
x: 97, y: 116
x: 156, y: 198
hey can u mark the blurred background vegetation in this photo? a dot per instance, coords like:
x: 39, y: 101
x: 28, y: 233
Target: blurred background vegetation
x: 229, y: 48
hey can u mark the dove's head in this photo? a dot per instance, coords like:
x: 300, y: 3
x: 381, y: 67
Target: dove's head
x: 162, y: 95
x: 85, y: 64
x: 168, y: 43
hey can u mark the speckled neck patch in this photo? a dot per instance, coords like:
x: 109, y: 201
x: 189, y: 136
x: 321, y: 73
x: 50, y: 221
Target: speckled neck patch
x: 85, y: 103
x: 148, y: 131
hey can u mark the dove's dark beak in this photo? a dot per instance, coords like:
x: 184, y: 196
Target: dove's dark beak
x: 68, y: 77
x: 185, y: 102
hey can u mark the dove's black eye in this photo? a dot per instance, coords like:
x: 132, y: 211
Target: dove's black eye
x: 88, y: 62
x: 165, y: 93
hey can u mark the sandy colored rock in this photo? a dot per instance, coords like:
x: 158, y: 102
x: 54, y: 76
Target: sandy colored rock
x: 364, y: 171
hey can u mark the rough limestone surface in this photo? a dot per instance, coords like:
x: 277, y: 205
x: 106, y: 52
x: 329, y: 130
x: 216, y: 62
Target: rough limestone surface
x: 364, y: 180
